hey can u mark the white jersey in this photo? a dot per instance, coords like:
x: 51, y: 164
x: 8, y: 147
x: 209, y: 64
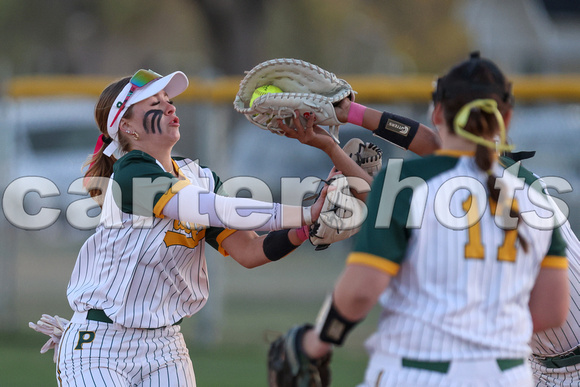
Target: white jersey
x: 561, y: 341
x: 143, y: 270
x: 461, y: 286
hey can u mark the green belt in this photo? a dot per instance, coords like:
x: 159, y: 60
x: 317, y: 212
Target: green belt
x: 99, y: 315
x: 443, y: 366
x: 568, y: 359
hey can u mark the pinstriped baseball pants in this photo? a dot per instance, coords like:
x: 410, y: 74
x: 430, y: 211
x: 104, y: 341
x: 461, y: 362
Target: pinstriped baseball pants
x: 100, y: 354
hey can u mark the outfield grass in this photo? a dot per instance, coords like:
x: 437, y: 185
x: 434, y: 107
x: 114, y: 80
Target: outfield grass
x: 225, y: 365
x: 21, y: 364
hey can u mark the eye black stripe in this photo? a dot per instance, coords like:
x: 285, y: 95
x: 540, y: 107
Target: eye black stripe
x: 155, y: 119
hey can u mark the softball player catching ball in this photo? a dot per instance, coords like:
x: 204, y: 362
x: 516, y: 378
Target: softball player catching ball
x: 144, y: 268
x: 462, y: 257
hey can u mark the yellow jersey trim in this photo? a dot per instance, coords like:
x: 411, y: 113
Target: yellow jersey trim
x: 179, y: 173
x: 555, y: 262
x: 374, y: 261
x: 454, y: 153
x: 220, y: 238
x: 175, y: 188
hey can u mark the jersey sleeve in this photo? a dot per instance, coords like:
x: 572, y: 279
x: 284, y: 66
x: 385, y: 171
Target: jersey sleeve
x: 142, y: 186
x: 378, y: 246
x: 556, y: 255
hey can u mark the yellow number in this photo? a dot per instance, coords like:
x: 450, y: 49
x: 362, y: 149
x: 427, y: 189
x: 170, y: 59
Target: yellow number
x: 507, y: 251
x: 474, y: 248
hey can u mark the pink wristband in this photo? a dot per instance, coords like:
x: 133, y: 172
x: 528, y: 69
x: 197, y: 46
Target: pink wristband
x: 302, y: 233
x: 356, y: 113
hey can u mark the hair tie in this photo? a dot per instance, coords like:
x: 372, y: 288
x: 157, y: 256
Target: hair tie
x: 99, y: 144
x: 489, y: 106
x: 101, y: 140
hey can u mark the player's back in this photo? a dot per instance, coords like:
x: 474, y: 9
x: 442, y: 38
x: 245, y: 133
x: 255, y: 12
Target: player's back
x: 464, y: 284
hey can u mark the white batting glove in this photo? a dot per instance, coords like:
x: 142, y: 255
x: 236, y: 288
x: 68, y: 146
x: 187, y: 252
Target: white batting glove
x: 52, y: 326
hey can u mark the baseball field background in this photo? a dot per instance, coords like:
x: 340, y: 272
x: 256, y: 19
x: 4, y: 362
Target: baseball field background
x: 58, y: 55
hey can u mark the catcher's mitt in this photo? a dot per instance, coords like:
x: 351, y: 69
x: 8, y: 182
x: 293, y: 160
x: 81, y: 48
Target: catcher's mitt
x: 305, y: 87
x: 289, y: 366
x: 342, y: 215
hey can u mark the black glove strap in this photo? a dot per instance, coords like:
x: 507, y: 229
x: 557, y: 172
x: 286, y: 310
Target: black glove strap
x: 397, y: 129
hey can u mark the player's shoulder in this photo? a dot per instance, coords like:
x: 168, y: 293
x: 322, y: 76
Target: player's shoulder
x: 134, y: 160
x: 424, y: 168
x: 522, y: 172
x: 429, y: 166
x: 137, y: 164
x: 189, y: 166
x: 195, y: 171
x: 516, y: 169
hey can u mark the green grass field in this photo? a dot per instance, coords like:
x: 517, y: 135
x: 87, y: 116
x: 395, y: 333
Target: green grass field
x: 234, y: 365
x: 228, y: 340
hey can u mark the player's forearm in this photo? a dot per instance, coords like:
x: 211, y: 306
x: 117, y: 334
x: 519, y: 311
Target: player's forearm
x: 252, y: 250
x: 423, y: 141
x: 245, y: 247
x: 346, y: 165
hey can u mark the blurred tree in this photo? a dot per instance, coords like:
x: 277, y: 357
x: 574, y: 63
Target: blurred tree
x: 338, y: 35
x: 428, y: 34
x: 335, y: 34
x: 346, y: 36
x: 227, y: 36
x: 28, y: 33
x: 235, y: 31
x: 164, y: 36
x: 99, y: 36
